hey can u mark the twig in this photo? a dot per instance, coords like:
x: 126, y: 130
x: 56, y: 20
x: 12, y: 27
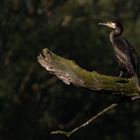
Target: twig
x: 78, y: 115
x: 69, y: 133
x: 135, y: 98
x: 26, y: 79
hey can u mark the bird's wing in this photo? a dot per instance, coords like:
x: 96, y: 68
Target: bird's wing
x: 133, y: 56
x: 125, y: 54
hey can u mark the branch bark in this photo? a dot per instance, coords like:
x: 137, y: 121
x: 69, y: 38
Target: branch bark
x: 69, y: 72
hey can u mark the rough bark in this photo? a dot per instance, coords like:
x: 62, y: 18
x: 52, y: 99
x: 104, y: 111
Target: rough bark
x: 69, y: 72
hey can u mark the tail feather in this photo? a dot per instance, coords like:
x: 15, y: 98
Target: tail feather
x: 137, y: 81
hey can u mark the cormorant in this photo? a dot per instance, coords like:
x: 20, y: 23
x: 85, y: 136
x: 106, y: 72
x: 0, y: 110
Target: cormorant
x: 125, y: 53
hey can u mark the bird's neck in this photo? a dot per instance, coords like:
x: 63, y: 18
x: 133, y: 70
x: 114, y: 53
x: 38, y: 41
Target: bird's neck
x: 115, y: 33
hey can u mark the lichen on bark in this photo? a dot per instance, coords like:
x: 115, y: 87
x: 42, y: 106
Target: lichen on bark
x: 69, y: 72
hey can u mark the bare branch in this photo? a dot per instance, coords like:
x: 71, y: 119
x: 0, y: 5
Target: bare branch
x: 26, y: 79
x: 110, y: 107
x: 69, y: 133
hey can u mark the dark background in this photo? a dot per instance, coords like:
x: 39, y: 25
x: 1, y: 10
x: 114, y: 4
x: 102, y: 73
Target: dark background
x: 33, y: 102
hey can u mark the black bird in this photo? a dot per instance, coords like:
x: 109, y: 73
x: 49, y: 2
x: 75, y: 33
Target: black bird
x: 125, y: 53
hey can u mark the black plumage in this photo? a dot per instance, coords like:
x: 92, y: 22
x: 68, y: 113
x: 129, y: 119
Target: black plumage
x: 124, y: 52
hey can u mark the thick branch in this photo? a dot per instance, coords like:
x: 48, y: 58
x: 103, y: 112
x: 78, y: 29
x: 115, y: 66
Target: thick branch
x: 69, y: 72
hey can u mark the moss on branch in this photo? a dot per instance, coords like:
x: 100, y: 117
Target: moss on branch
x: 69, y: 72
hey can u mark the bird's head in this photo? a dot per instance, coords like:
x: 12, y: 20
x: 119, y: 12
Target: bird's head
x: 112, y: 24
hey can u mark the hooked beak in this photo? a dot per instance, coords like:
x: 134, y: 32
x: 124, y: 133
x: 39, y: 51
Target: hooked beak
x: 105, y: 24
x: 108, y: 24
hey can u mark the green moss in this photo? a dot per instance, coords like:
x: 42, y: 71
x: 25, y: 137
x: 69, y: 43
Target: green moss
x: 93, y: 80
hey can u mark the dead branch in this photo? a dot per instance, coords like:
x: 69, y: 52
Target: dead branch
x: 69, y: 72
x: 69, y: 133
x: 105, y: 110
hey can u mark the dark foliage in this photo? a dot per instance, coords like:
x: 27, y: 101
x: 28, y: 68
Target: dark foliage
x: 32, y: 102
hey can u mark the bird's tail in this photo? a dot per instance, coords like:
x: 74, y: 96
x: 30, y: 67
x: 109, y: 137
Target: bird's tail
x: 137, y: 81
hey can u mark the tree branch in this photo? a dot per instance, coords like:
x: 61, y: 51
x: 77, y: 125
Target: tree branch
x: 69, y: 72
x: 69, y: 133
x: 105, y: 110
